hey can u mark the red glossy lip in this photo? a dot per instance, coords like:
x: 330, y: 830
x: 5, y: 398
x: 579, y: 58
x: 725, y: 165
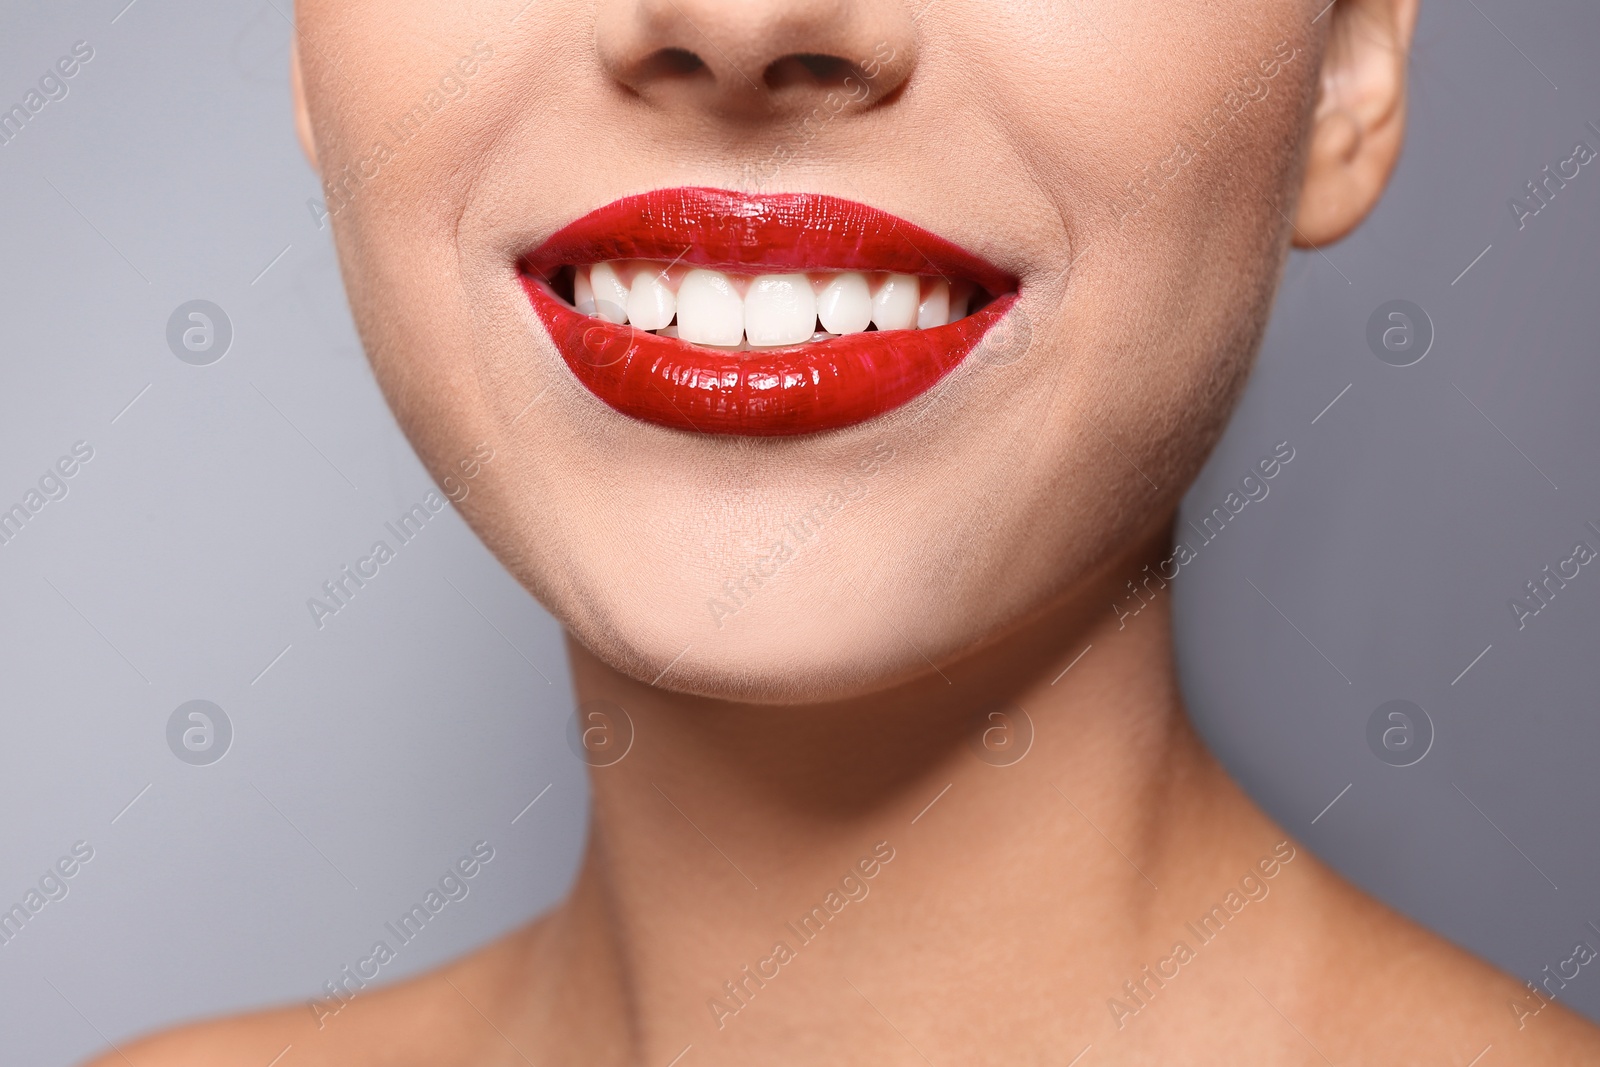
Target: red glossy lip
x: 799, y: 389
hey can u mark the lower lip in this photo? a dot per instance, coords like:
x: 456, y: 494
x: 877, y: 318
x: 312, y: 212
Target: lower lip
x: 799, y: 389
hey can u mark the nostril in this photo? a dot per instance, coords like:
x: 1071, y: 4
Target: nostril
x: 811, y: 70
x: 667, y: 63
x: 757, y: 59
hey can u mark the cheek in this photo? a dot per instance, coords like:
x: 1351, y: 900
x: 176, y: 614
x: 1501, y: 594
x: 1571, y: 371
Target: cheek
x: 1167, y: 120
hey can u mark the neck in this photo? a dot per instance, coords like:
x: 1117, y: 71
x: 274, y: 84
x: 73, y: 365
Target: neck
x: 969, y: 858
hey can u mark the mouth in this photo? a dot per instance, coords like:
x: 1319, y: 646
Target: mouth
x: 723, y: 313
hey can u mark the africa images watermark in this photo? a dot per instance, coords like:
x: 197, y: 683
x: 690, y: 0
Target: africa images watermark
x: 739, y: 991
x: 1541, y: 191
x: 51, y: 86
x: 52, y: 485
x: 853, y: 486
x: 1541, y: 591
x: 341, y: 188
x: 1140, y: 990
x: 455, y: 484
x: 342, y: 588
x: 452, y: 888
x: 52, y: 886
x: 1253, y: 487
x: 1543, y: 992
x: 1250, y: 88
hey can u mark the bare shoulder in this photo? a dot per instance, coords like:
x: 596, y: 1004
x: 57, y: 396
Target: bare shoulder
x: 435, y: 1019
x: 1406, y: 989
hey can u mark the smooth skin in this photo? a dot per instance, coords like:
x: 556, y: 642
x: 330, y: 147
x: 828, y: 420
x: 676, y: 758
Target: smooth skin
x: 836, y: 708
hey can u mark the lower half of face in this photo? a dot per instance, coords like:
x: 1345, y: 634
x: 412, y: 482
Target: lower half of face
x: 781, y: 379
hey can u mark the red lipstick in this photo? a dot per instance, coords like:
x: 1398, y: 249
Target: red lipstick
x: 800, y: 388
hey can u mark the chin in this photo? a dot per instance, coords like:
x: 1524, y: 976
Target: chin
x: 864, y: 564
x: 787, y: 646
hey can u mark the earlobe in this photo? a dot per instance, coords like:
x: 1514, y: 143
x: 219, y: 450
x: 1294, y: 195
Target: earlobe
x: 1359, y: 122
x: 302, y: 118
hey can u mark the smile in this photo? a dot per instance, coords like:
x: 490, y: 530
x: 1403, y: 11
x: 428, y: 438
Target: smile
x: 717, y: 312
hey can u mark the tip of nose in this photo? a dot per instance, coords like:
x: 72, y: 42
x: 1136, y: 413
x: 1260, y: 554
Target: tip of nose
x: 757, y: 57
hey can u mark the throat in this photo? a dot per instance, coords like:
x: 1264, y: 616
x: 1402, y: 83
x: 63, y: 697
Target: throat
x: 830, y: 884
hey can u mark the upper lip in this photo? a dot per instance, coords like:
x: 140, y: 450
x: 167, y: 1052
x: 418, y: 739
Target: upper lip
x: 759, y: 233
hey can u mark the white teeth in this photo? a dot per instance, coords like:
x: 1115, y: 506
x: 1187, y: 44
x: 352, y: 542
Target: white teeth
x: 710, y: 311
x: 845, y: 304
x: 582, y: 293
x: 894, y: 305
x: 710, y: 307
x: 958, y: 302
x: 650, y: 303
x: 779, y: 309
x: 935, y: 307
x: 610, y: 295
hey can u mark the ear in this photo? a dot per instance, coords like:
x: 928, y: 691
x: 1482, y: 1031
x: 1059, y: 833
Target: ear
x: 1359, y: 120
x: 302, y: 117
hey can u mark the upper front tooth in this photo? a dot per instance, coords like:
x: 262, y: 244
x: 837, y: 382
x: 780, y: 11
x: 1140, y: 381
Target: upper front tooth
x: 894, y: 305
x: 650, y: 303
x: 710, y: 311
x: 610, y: 295
x: 780, y: 309
x: 845, y: 304
x: 582, y: 292
x: 935, y: 307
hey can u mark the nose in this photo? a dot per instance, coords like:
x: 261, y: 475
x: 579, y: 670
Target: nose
x: 757, y: 58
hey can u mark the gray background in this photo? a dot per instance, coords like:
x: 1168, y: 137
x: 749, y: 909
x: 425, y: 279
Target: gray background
x: 427, y: 715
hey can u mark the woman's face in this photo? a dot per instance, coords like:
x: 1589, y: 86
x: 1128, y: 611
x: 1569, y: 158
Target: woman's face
x: 1128, y: 171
